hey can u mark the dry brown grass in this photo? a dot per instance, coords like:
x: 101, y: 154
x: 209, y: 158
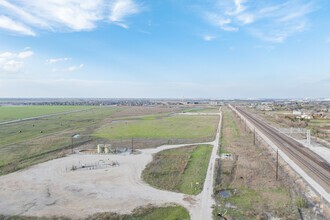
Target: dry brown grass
x: 250, y: 177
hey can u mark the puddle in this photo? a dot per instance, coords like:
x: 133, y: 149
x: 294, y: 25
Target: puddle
x: 114, y: 121
x: 224, y: 194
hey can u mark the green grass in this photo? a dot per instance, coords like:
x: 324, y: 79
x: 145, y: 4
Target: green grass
x: 18, y: 150
x: 147, y: 213
x: 320, y: 120
x: 229, y: 127
x: 319, y: 123
x: 231, y: 124
x: 222, y: 151
x: 153, y: 213
x: 250, y: 200
x: 145, y: 117
x: 254, y: 201
x: 179, y: 169
x: 175, y: 126
x: 300, y: 202
x: 31, y: 218
x: 246, y: 199
x: 8, y: 113
x: 9, y: 133
x: 203, y: 110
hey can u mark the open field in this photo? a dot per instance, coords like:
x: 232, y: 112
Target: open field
x: 148, y: 213
x: 143, y: 213
x: 179, y: 170
x: 30, y: 144
x: 22, y: 131
x: 202, y: 110
x: 22, y: 144
x: 248, y: 178
x: 8, y: 113
x: 175, y: 126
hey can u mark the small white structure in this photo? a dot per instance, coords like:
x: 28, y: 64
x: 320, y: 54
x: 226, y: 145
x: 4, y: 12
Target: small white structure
x: 226, y: 156
x: 296, y: 112
x: 305, y: 116
x: 100, y: 148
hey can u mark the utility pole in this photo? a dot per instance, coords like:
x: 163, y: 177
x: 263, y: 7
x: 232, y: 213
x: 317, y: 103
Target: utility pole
x: 308, y: 137
x: 132, y: 145
x: 277, y: 164
x: 254, y: 136
x: 72, y: 144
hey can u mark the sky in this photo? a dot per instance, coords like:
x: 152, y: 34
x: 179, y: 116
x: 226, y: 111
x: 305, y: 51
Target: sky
x: 165, y: 49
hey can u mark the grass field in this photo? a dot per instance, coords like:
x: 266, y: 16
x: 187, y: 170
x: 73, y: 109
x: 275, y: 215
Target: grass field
x: 248, y: 178
x: 152, y: 213
x: 175, y: 126
x: 146, y: 213
x: 180, y: 170
x: 202, y: 110
x: 319, y: 122
x: 18, y: 150
x: 8, y: 113
x: 10, y: 133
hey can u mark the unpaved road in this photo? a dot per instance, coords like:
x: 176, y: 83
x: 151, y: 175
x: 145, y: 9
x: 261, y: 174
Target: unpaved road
x: 48, y: 189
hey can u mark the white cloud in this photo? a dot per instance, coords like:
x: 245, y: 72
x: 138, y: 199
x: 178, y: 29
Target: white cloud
x: 9, y: 24
x: 55, y: 60
x: 69, y: 69
x: 275, y: 38
x: 268, y: 21
x: 120, y: 9
x: 208, y: 37
x: 17, y: 11
x: 296, y: 11
x: 74, y: 68
x: 219, y: 21
x: 21, y: 55
x: 9, y: 62
x: 239, y: 7
x: 7, y: 55
x: 246, y: 18
x: 25, y: 54
x: 63, y: 15
x: 11, y: 66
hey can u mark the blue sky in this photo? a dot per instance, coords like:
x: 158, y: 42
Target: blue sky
x: 165, y: 48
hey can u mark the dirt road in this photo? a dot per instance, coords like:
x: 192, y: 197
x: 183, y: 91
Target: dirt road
x: 48, y: 189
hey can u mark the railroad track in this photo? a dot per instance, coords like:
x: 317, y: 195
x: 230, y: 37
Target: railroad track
x: 306, y: 159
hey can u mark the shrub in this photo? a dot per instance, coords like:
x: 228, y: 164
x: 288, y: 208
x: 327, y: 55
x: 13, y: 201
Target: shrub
x: 301, y: 202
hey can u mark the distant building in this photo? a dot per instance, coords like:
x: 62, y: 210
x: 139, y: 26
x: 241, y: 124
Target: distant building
x: 265, y: 108
x: 296, y: 112
x: 268, y: 108
x: 327, y: 116
x: 306, y: 116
